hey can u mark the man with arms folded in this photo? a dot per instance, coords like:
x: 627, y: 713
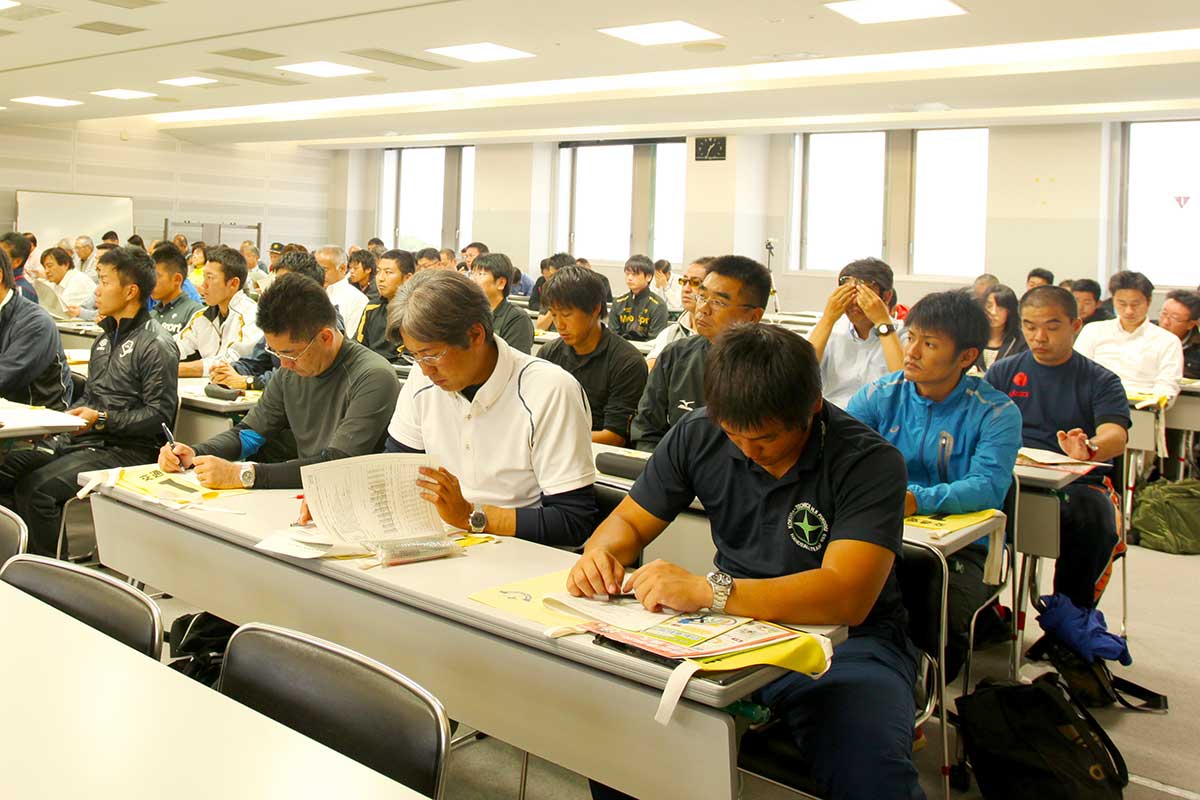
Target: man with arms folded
x: 395, y: 267
x: 349, y: 301
x: 610, y: 369
x: 172, y: 308
x: 683, y: 327
x: 494, y: 274
x: 1073, y: 405
x: 511, y: 432
x: 735, y: 290
x: 226, y: 330
x: 33, y: 366
x: 638, y: 315
x: 130, y: 394
x: 806, y: 507
x: 1147, y: 358
x: 332, y: 393
x: 959, y: 436
x: 865, y: 346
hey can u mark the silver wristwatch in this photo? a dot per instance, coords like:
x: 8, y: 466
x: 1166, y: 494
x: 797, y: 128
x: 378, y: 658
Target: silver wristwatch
x: 885, y: 329
x: 722, y: 585
x: 478, y: 519
x: 246, y: 473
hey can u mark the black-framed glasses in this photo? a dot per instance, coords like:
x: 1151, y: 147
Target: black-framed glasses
x: 291, y: 358
x: 703, y: 298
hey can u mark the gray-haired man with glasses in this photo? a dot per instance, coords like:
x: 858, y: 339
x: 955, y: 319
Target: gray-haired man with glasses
x: 735, y: 290
x: 334, y: 395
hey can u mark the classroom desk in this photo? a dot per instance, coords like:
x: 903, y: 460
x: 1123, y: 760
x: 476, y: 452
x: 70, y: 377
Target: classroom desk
x: 77, y: 333
x: 1184, y: 416
x: 112, y: 724
x: 45, y: 423
x: 496, y: 673
x: 201, y: 417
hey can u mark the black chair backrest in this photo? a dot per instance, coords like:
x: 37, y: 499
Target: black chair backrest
x: 607, y: 500
x: 78, y: 384
x: 920, y: 575
x: 14, y: 536
x: 95, y: 599
x: 346, y: 701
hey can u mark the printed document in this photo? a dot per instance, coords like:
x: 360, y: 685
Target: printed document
x: 370, y: 498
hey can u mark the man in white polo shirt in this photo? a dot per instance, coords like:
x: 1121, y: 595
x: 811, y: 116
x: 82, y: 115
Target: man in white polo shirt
x: 511, y: 432
x: 347, y: 299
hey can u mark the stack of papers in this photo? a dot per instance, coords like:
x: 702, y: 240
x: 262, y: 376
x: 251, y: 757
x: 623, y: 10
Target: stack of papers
x: 1033, y: 457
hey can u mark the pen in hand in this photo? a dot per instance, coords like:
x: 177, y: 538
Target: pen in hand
x: 171, y: 441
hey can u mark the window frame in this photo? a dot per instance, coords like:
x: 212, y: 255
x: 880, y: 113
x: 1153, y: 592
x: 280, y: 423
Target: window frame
x: 451, y: 193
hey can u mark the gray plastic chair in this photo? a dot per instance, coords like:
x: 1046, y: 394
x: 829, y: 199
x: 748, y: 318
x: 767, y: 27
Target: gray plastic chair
x: 14, y: 536
x: 353, y: 704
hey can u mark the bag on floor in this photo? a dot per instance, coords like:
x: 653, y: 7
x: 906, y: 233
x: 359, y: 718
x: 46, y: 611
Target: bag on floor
x: 198, y: 643
x: 1035, y: 740
x: 1166, y: 516
x: 1093, y: 684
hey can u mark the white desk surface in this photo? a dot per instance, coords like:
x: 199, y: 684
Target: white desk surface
x: 79, y: 327
x: 127, y: 720
x: 191, y: 394
x: 1043, y: 478
x: 19, y: 421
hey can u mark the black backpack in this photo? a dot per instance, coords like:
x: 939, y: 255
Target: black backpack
x: 1035, y: 740
x: 1093, y: 684
x: 198, y: 643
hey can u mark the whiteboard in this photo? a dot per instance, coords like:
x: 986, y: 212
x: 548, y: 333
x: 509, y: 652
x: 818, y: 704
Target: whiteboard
x: 52, y: 216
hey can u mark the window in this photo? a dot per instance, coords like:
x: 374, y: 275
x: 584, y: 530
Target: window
x: 385, y: 227
x: 466, y: 196
x: 603, y: 202
x: 670, y: 189
x: 949, y: 232
x: 422, y: 189
x: 843, y: 200
x: 1162, y: 202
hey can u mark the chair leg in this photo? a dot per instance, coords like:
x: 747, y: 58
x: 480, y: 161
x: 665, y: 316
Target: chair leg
x: 524, y: 775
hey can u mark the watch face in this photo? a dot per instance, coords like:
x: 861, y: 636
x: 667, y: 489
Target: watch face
x: 478, y: 520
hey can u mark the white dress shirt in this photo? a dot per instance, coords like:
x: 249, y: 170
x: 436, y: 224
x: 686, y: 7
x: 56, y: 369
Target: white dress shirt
x: 76, y: 289
x: 671, y: 294
x: 1148, y: 361
x: 850, y: 363
x: 348, y: 300
x: 218, y: 341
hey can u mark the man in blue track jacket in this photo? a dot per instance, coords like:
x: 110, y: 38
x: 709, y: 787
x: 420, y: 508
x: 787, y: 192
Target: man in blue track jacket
x: 958, y: 434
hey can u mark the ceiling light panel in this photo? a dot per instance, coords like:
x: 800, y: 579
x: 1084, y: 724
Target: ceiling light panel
x: 870, y: 12
x: 111, y: 28
x: 674, y: 32
x: 124, y: 94
x: 194, y: 80
x: 8, y: 4
x: 480, y: 52
x: 247, y: 54
x: 399, y: 59
x: 324, y: 69
x: 52, y: 102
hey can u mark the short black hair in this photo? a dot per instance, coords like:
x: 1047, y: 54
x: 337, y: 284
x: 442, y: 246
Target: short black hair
x: 408, y: 264
x: 20, y: 247
x: 302, y: 263
x: 233, y: 263
x: 1044, y: 274
x: 296, y: 306
x: 558, y: 261
x: 953, y: 314
x: 757, y: 374
x: 133, y: 266
x: 7, y: 278
x: 171, y: 259
x: 987, y: 278
x: 110, y: 235
x: 575, y: 287
x: 428, y: 254
x: 365, y: 259
x: 1051, y: 295
x: 60, y: 256
x: 374, y: 240
x: 662, y: 265
x: 640, y: 264
x: 1134, y: 281
x: 755, y: 278
x: 1086, y: 285
x: 479, y: 246
x: 872, y: 270
x: 499, y: 265
x: 136, y: 241
x: 1188, y: 298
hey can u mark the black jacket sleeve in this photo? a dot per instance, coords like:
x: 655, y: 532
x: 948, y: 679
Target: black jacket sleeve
x: 563, y: 520
x: 158, y: 375
x: 660, y: 317
x: 651, y: 422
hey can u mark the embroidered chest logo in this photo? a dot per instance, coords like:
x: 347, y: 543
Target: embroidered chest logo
x: 1020, y: 380
x: 126, y: 348
x: 102, y: 345
x: 808, y: 527
x: 687, y: 405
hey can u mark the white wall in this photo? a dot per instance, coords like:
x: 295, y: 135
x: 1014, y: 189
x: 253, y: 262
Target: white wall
x: 284, y: 187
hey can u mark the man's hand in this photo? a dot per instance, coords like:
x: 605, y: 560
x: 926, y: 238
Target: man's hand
x: 442, y: 489
x: 73, y: 311
x: 175, y: 458
x: 661, y: 584
x: 910, y: 504
x: 872, y: 306
x: 305, y: 515
x: 88, y: 415
x: 1074, y: 444
x: 226, y: 375
x: 838, y: 302
x: 597, y: 573
x: 217, y: 473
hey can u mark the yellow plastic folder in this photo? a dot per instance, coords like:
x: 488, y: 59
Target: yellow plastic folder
x: 949, y: 522
x: 183, y: 487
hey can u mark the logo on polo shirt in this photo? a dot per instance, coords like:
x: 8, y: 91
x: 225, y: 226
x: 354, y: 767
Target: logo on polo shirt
x: 1020, y: 380
x: 808, y: 527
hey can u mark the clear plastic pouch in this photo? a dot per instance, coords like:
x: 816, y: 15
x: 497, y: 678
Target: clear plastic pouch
x: 407, y: 551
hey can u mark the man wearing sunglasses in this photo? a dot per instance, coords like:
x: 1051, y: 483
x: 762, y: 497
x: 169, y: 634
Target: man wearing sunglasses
x: 334, y: 395
x: 683, y: 327
x: 735, y: 290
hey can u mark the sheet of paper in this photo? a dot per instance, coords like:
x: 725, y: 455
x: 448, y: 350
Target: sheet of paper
x: 15, y: 417
x: 621, y: 612
x: 304, y: 545
x: 78, y: 355
x: 524, y: 599
x: 1050, y: 457
x: 370, y: 498
x: 942, y: 524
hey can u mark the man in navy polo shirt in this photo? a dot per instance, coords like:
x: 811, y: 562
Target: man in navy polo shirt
x: 1070, y: 404
x: 806, y: 507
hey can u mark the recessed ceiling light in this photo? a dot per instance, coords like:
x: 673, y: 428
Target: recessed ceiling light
x: 53, y: 102
x: 480, y: 52
x: 8, y: 4
x: 124, y: 94
x: 325, y: 69
x: 192, y: 81
x: 869, y: 12
x: 674, y: 32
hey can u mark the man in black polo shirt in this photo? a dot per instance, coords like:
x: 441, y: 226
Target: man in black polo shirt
x: 806, y: 506
x: 639, y: 315
x: 610, y: 369
x: 734, y: 290
x: 494, y: 273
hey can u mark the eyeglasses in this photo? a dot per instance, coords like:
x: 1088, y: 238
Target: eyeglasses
x: 424, y: 360
x: 692, y: 282
x: 1172, y: 317
x: 291, y: 358
x: 853, y: 281
x: 703, y: 298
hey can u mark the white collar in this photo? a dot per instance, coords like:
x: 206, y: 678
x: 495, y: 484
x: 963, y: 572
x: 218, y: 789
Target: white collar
x: 7, y: 297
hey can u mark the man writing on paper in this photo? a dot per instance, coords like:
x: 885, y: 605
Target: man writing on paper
x: 512, y: 432
x: 959, y: 437
x: 226, y: 330
x: 130, y: 394
x: 1070, y: 404
x: 806, y: 507
x: 334, y: 394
